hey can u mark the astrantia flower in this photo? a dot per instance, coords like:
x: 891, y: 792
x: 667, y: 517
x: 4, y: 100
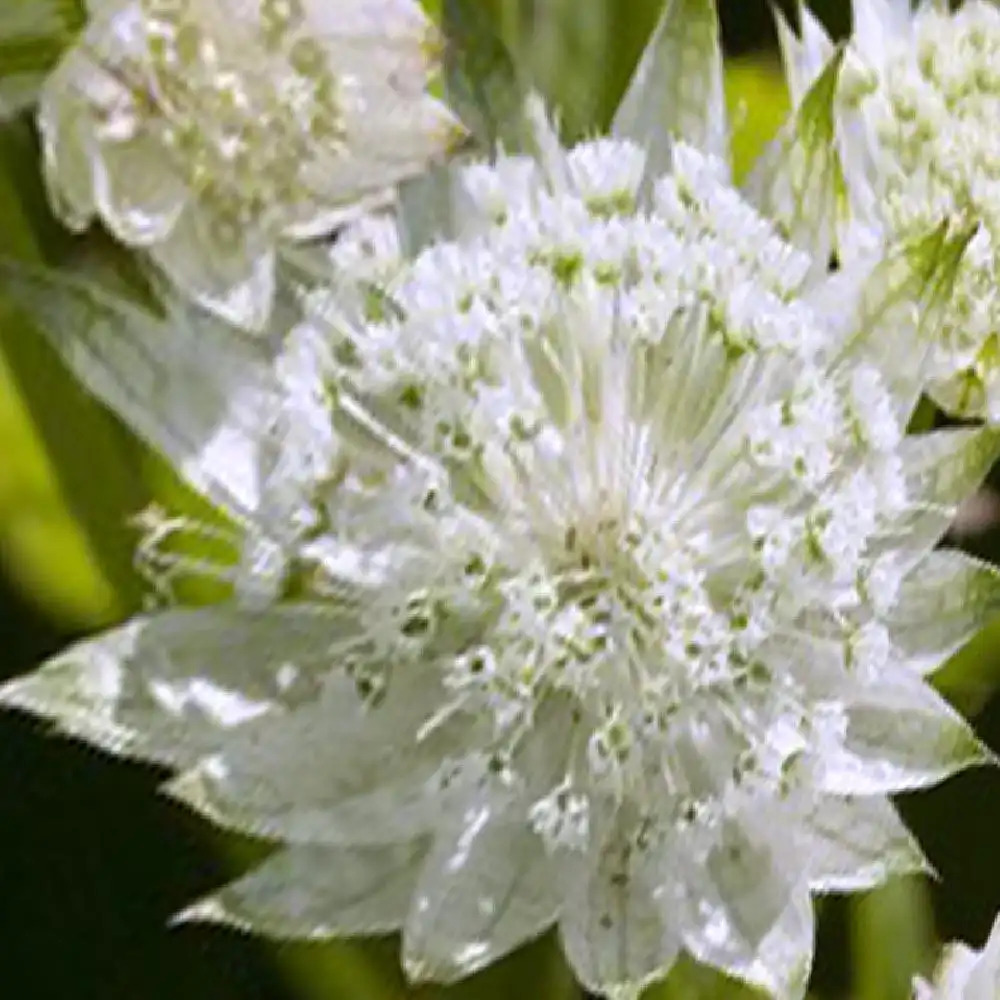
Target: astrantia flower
x: 584, y: 575
x: 207, y: 131
x: 921, y: 98
x: 965, y: 974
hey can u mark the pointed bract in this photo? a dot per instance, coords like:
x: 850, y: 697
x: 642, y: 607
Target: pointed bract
x: 946, y: 601
x: 799, y: 182
x: 581, y: 581
x: 190, y: 387
x: 677, y: 91
x: 857, y: 843
x: 317, y: 893
x: 964, y: 973
x: 804, y: 55
x: 170, y: 687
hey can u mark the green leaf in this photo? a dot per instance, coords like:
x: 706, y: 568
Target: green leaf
x: 92, y: 459
x: 892, y: 938
x: 799, y: 182
x: 677, y: 91
x: 758, y: 107
x: 33, y: 34
x: 689, y: 980
x: 482, y: 81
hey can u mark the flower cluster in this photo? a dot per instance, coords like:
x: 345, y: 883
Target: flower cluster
x: 206, y: 132
x: 920, y: 95
x: 583, y: 572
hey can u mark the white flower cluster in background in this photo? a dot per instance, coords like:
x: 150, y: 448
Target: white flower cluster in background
x: 207, y: 130
x: 582, y: 573
x: 920, y: 100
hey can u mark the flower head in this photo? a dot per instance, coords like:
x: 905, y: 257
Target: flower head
x: 206, y: 132
x: 920, y: 94
x: 965, y: 974
x: 585, y: 576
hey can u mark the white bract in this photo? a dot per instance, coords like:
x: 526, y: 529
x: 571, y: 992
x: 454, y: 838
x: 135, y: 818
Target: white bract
x: 584, y: 575
x: 920, y: 97
x: 965, y: 974
x: 206, y: 131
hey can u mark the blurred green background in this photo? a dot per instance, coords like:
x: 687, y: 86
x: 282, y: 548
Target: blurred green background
x: 93, y: 862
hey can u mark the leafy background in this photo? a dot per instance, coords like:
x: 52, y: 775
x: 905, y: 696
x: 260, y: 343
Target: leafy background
x: 93, y: 862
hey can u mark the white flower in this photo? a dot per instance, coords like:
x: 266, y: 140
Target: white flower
x: 920, y: 96
x: 965, y: 974
x: 206, y: 132
x: 588, y: 578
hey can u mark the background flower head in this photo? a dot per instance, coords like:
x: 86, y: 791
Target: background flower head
x: 918, y: 98
x: 208, y: 132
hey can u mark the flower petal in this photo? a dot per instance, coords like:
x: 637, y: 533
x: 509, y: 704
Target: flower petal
x: 317, y: 893
x: 803, y: 57
x: 878, y: 23
x: 220, y: 265
x: 746, y: 914
x: 799, y: 182
x: 677, y: 89
x: 370, y: 779
x: 192, y: 388
x: 900, y: 735
x: 942, y: 604
x: 487, y: 886
x: 617, y: 923
x: 854, y: 844
x: 892, y: 309
x: 139, y: 195
x: 169, y: 687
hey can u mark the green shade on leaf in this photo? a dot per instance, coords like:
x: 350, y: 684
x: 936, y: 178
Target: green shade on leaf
x: 482, y: 80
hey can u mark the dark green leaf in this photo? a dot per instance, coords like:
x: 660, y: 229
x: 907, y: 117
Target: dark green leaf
x: 484, y: 85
